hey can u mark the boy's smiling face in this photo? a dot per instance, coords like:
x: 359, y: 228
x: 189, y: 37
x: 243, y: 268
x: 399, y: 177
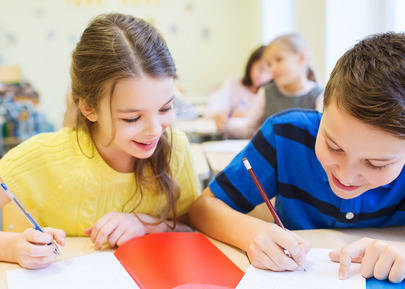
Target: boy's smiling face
x: 356, y: 156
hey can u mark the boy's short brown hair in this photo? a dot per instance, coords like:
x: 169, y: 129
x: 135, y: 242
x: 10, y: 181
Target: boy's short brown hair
x: 368, y: 82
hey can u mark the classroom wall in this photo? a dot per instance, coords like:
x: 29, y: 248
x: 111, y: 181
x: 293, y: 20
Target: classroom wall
x: 331, y: 26
x: 350, y: 21
x: 210, y: 40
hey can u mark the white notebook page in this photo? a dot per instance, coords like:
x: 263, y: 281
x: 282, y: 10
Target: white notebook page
x: 321, y: 273
x: 99, y: 271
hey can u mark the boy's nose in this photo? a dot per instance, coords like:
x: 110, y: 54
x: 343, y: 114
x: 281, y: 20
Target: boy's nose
x: 348, y: 174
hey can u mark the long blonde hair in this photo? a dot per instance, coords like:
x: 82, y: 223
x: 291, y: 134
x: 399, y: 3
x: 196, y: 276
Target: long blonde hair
x: 115, y: 47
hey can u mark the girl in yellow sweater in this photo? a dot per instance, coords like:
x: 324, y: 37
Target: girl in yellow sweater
x: 121, y: 172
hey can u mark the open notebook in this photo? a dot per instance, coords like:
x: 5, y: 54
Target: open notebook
x: 156, y: 261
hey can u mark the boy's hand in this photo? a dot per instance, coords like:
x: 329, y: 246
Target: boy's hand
x: 379, y: 259
x: 31, y: 249
x: 267, y: 249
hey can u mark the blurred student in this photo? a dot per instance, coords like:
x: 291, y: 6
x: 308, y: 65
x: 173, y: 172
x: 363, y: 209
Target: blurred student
x: 120, y: 172
x: 236, y: 96
x: 293, y: 85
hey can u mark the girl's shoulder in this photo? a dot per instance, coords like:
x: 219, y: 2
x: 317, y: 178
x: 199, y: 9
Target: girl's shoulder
x: 178, y: 139
x: 43, y: 141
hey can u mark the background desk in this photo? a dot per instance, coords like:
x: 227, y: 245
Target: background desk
x: 201, y: 164
x: 220, y: 153
x: 329, y: 239
x: 198, y: 130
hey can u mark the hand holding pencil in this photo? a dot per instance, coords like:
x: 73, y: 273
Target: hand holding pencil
x: 35, y: 247
x: 274, y: 247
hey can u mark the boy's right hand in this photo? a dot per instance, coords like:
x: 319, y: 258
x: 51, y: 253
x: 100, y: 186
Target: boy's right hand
x: 266, y: 251
x: 31, y: 249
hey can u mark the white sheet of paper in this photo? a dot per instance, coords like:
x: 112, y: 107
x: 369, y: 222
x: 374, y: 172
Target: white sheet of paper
x: 99, y: 271
x: 321, y: 273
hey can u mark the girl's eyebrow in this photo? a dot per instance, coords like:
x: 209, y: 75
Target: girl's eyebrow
x: 127, y: 110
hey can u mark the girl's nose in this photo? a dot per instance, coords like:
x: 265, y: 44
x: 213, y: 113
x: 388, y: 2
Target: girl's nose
x: 153, y: 127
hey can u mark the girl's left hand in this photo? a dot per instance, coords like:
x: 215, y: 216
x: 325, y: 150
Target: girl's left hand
x: 117, y: 228
x: 379, y: 259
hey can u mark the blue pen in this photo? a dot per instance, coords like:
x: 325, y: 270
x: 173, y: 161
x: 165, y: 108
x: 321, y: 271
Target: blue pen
x: 26, y: 214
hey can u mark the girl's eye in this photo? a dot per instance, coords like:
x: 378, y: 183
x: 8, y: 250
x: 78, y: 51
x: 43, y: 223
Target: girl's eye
x: 166, y: 109
x: 131, y: 119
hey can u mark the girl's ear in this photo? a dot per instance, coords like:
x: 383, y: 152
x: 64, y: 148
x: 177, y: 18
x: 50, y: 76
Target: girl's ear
x: 87, y: 111
x: 303, y: 58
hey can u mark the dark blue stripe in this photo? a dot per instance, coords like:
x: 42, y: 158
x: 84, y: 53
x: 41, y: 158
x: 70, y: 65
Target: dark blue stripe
x: 233, y: 193
x: 293, y: 192
x: 266, y: 150
x: 295, y: 133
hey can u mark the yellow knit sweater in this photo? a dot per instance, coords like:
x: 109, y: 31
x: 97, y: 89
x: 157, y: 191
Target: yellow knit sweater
x: 65, y: 189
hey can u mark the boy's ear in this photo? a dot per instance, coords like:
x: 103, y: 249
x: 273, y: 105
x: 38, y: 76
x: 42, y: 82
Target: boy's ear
x: 87, y: 111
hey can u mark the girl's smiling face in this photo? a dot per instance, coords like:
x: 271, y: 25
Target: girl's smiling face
x: 140, y: 111
x: 356, y: 156
x: 286, y: 66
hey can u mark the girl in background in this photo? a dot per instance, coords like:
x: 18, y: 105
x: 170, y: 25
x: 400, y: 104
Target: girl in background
x: 236, y: 96
x: 293, y: 85
x: 121, y: 172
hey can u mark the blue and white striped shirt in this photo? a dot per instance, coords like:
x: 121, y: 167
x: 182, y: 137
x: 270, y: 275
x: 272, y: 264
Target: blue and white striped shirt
x: 282, y: 154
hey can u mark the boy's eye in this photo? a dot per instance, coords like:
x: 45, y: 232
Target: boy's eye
x: 131, y: 119
x: 369, y: 164
x: 332, y: 149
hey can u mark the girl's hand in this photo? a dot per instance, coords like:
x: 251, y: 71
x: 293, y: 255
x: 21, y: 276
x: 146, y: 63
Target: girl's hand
x: 266, y: 251
x: 379, y: 259
x: 221, y: 119
x: 31, y: 249
x: 117, y: 228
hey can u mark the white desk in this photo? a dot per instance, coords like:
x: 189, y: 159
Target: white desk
x: 200, y: 127
x: 329, y: 239
x: 220, y: 153
x: 200, y: 162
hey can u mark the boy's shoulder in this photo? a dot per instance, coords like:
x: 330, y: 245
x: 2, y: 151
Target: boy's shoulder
x: 305, y: 118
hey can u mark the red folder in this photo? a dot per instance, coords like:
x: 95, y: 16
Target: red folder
x: 168, y: 260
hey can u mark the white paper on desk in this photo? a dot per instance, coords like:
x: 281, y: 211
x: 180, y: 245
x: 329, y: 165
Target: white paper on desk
x: 100, y: 270
x: 321, y: 273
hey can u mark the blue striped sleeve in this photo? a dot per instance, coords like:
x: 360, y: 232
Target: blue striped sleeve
x: 235, y: 187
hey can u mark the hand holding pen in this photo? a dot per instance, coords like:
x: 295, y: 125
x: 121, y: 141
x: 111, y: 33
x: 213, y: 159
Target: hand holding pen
x: 34, y: 248
x: 275, y: 248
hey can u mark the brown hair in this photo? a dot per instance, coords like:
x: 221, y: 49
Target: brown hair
x: 368, y: 82
x: 296, y: 43
x: 254, y: 57
x: 111, y: 48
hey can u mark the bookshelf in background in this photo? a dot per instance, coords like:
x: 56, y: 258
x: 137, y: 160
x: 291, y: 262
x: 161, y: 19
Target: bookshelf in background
x: 19, y: 116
